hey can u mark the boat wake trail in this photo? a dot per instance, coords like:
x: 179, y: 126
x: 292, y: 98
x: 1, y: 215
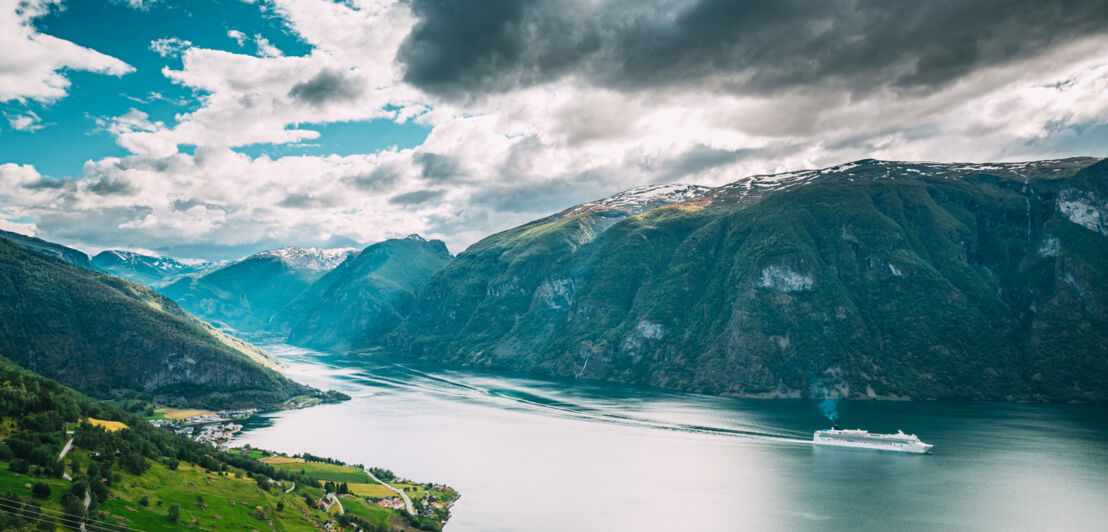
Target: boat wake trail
x: 582, y: 401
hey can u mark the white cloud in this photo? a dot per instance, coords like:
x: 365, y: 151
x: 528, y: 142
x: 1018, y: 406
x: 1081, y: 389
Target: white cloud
x: 27, y: 121
x: 32, y: 63
x: 169, y: 46
x: 238, y: 36
x: 143, y: 5
x: 265, y: 48
x: 500, y: 161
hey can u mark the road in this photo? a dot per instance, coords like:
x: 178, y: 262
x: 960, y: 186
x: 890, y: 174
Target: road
x: 292, y: 488
x: 88, y: 498
x: 335, y: 500
x: 65, y: 450
x: 407, y: 501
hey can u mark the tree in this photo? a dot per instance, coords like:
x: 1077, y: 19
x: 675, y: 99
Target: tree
x: 72, y: 504
x: 19, y: 465
x: 280, y: 505
x: 145, y: 501
x: 174, y: 513
x: 41, y: 490
x: 99, y: 491
x: 78, y: 488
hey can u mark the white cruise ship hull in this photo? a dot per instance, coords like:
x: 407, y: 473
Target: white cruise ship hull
x: 860, y: 439
x: 918, y: 448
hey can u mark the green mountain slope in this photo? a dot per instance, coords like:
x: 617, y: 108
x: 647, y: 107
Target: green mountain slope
x: 245, y: 295
x: 874, y: 278
x: 109, y: 337
x: 38, y: 245
x: 136, y: 476
x: 364, y: 297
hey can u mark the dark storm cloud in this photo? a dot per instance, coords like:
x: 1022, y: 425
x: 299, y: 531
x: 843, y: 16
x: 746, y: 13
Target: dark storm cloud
x: 107, y: 186
x: 460, y: 49
x: 417, y: 197
x: 381, y: 178
x: 330, y: 85
x: 438, y: 167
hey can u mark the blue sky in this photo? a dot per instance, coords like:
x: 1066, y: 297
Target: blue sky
x: 214, y: 129
x: 70, y: 134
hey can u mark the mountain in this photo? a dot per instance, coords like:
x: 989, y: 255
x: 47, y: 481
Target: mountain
x: 364, y: 297
x: 869, y: 279
x: 58, y: 251
x: 246, y: 294
x: 146, y: 269
x: 109, y: 337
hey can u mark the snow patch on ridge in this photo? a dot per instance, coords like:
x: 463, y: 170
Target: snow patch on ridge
x: 310, y: 258
x: 641, y: 199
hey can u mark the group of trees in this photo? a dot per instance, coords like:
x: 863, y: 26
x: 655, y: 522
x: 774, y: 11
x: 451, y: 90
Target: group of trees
x: 42, y: 410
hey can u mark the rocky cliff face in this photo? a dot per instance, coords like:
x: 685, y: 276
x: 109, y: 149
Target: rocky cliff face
x: 872, y: 279
x: 108, y: 337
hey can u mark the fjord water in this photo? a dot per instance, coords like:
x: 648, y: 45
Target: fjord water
x: 559, y: 454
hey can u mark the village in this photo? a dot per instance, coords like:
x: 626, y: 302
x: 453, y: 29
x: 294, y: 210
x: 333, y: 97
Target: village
x: 215, y: 428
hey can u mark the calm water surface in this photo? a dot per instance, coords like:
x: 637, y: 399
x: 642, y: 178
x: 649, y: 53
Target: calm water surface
x: 531, y: 454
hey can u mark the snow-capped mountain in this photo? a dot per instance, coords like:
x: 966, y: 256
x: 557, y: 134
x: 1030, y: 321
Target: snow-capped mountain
x: 309, y: 258
x: 148, y: 269
x: 757, y: 186
x: 245, y: 294
x: 641, y: 199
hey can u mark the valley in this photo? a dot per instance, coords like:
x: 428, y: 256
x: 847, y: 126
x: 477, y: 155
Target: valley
x: 869, y: 281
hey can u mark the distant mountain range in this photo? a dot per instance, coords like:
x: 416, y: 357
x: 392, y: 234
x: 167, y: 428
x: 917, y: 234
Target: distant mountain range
x: 363, y: 298
x: 110, y: 338
x: 870, y: 279
x: 246, y: 294
x: 146, y: 269
x: 323, y: 298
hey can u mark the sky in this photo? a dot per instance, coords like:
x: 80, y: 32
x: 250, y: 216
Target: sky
x: 216, y: 129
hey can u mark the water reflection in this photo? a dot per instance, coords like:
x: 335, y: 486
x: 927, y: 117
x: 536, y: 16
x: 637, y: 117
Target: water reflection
x: 534, y: 454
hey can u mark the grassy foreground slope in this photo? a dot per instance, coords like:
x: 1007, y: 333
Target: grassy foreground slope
x: 140, y: 477
x: 109, y: 337
x: 873, y: 279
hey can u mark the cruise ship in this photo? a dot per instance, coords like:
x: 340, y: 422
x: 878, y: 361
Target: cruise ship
x: 861, y: 439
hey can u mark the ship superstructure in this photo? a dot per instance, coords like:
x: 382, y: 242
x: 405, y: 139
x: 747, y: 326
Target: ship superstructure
x: 862, y: 439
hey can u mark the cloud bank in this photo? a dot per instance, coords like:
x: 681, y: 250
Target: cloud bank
x: 535, y: 106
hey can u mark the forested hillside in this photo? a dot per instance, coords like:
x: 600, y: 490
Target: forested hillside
x: 109, y: 337
x: 872, y: 279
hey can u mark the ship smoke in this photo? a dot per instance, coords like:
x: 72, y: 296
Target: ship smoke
x: 830, y: 409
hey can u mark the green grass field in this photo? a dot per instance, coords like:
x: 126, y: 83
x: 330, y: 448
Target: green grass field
x: 366, y: 510
x: 232, y: 503
x: 16, y: 484
x: 332, y: 472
